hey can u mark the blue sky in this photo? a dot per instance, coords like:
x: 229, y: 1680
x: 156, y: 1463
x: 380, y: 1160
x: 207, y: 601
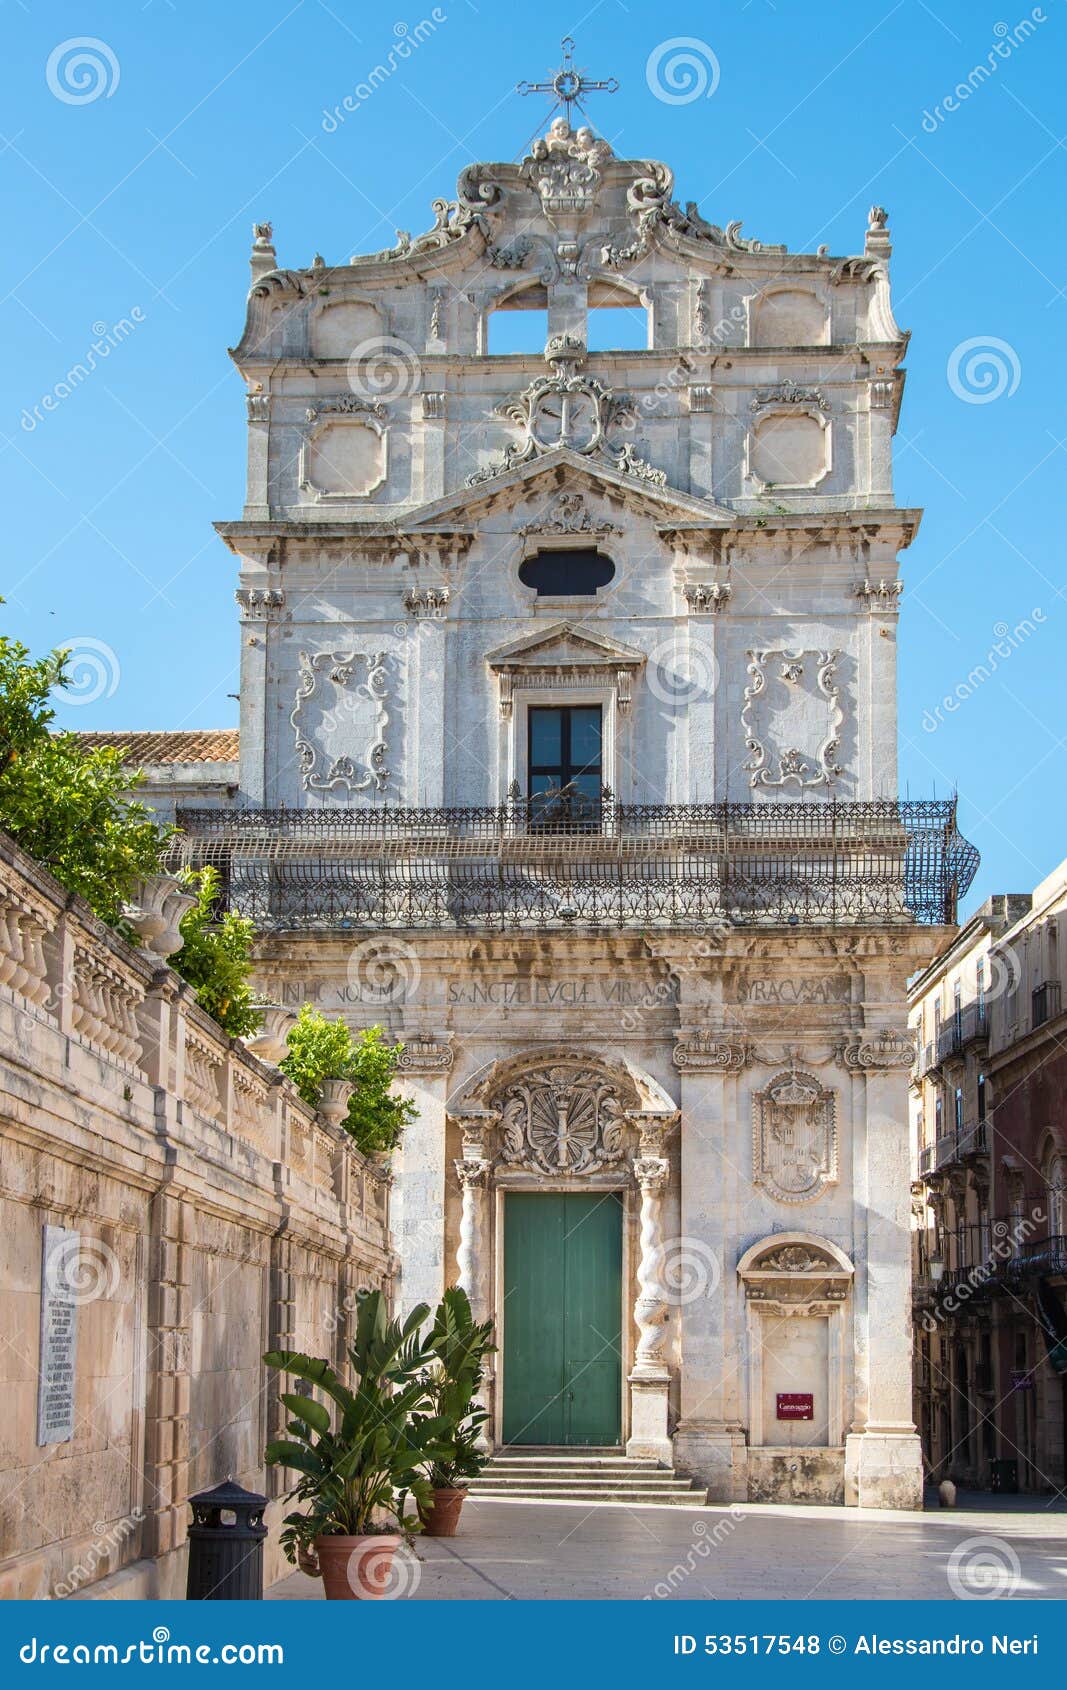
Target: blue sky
x: 137, y: 204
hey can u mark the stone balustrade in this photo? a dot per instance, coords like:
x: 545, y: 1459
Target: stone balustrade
x: 207, y: 1213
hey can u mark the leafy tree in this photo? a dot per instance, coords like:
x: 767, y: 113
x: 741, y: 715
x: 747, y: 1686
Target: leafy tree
x: 70, y: 807
x: 216, y: 957
x: 320, y: 1049
x: 66, y: 805
x: 25, y: 685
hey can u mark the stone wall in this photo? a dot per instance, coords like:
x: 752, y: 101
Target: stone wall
x: 207, y: 1214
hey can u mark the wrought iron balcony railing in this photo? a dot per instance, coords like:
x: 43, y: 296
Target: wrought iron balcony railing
x: 599, y: 863
x: 1038, y: 1257
x: 950, y: 1148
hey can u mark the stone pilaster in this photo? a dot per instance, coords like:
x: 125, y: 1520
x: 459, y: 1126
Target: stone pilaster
x: 418, y: 1201
x: 169, y: 1362
x: 708, y: 1441
x: 883, y: 1457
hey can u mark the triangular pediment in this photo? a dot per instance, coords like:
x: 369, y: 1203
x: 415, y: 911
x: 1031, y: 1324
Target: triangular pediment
x: 564, y: 643
x: 563, y: 470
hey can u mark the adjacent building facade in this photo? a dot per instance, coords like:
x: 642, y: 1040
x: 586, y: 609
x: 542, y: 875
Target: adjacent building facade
x: 990, y: 1197
x: 568, y: 754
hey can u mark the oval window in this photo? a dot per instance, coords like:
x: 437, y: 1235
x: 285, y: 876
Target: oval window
x: 567, y: 574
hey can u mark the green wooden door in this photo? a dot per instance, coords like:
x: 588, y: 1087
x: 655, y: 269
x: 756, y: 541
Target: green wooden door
x: 562, y: 1318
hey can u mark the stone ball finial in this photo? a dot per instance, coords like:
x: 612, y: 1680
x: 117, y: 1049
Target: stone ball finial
x: 878, y: 217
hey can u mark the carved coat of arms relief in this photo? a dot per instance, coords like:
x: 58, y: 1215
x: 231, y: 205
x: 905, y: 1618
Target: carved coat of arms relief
x: 795, y: 1140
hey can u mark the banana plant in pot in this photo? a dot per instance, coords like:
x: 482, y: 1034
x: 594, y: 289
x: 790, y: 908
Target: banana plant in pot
x: 459, y: 1345
x: 360, y: 1453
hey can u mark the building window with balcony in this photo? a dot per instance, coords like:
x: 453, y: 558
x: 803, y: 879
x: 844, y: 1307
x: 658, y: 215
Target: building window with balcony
x: 564, y: 764
x: 957, y: 1011
x: 1044, y: 1002
x: 958, y: 1109
x: 981, y: 1102
x: 979, y: 990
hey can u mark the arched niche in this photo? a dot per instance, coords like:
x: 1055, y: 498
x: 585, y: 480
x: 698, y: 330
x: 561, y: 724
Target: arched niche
x: 797, y: 1290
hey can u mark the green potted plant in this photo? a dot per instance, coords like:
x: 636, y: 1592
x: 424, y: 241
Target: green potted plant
x: 360, y: 1454
x: 459, y: 1345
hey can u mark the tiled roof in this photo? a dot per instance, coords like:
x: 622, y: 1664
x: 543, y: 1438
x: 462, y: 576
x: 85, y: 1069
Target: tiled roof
x: 199, y: 745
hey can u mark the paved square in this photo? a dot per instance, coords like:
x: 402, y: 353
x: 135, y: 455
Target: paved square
x: 573, y: 1552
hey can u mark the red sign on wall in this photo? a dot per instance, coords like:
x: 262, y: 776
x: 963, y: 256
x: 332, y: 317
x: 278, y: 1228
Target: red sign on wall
x: 795, y: 1405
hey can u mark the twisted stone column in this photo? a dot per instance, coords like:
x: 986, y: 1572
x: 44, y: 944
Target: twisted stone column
x: 651, y: 1376
x: 652, y: 1173
x: 472, y: 1171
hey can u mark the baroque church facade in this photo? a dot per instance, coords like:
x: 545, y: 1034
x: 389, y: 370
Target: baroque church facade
x: 567, y: 755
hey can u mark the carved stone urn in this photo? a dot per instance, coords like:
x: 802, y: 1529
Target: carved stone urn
x: 334, y: 1101
x: 269, y: 1043
x: 155, y: 911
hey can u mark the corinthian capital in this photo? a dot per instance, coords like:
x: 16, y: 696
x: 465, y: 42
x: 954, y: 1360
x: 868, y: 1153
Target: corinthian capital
x: 652, y: 1173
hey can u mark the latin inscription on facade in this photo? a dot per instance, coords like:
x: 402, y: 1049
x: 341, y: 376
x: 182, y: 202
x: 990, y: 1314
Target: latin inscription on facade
x: 626, y: 994
x: 779, y: 992
x: 59, y: 1336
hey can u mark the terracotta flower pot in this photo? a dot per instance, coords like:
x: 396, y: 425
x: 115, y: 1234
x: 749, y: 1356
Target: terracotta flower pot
x: 442, y: 1518
x: 357, y: 1569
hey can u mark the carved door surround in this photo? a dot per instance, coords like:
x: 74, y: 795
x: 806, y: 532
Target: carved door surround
x: 796, y: 1276
x: 566, y: 1119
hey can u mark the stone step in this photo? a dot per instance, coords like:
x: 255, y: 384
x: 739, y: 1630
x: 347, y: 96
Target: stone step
x: 542, y: 1464
x: 594, y: 1476
x: 531, y: 1481
x: 585, y: 1476
x: 577, y: 1493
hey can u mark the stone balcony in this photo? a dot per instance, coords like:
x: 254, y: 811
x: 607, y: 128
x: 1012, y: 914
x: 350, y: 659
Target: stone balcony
x: 579, y: 864
x: 122, y: 1003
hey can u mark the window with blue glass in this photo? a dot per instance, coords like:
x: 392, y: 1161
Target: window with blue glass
x: 565, y: 764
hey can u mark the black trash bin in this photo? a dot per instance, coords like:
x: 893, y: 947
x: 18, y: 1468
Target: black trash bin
x: 226, y: 1545
x: 1005, y: 1475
